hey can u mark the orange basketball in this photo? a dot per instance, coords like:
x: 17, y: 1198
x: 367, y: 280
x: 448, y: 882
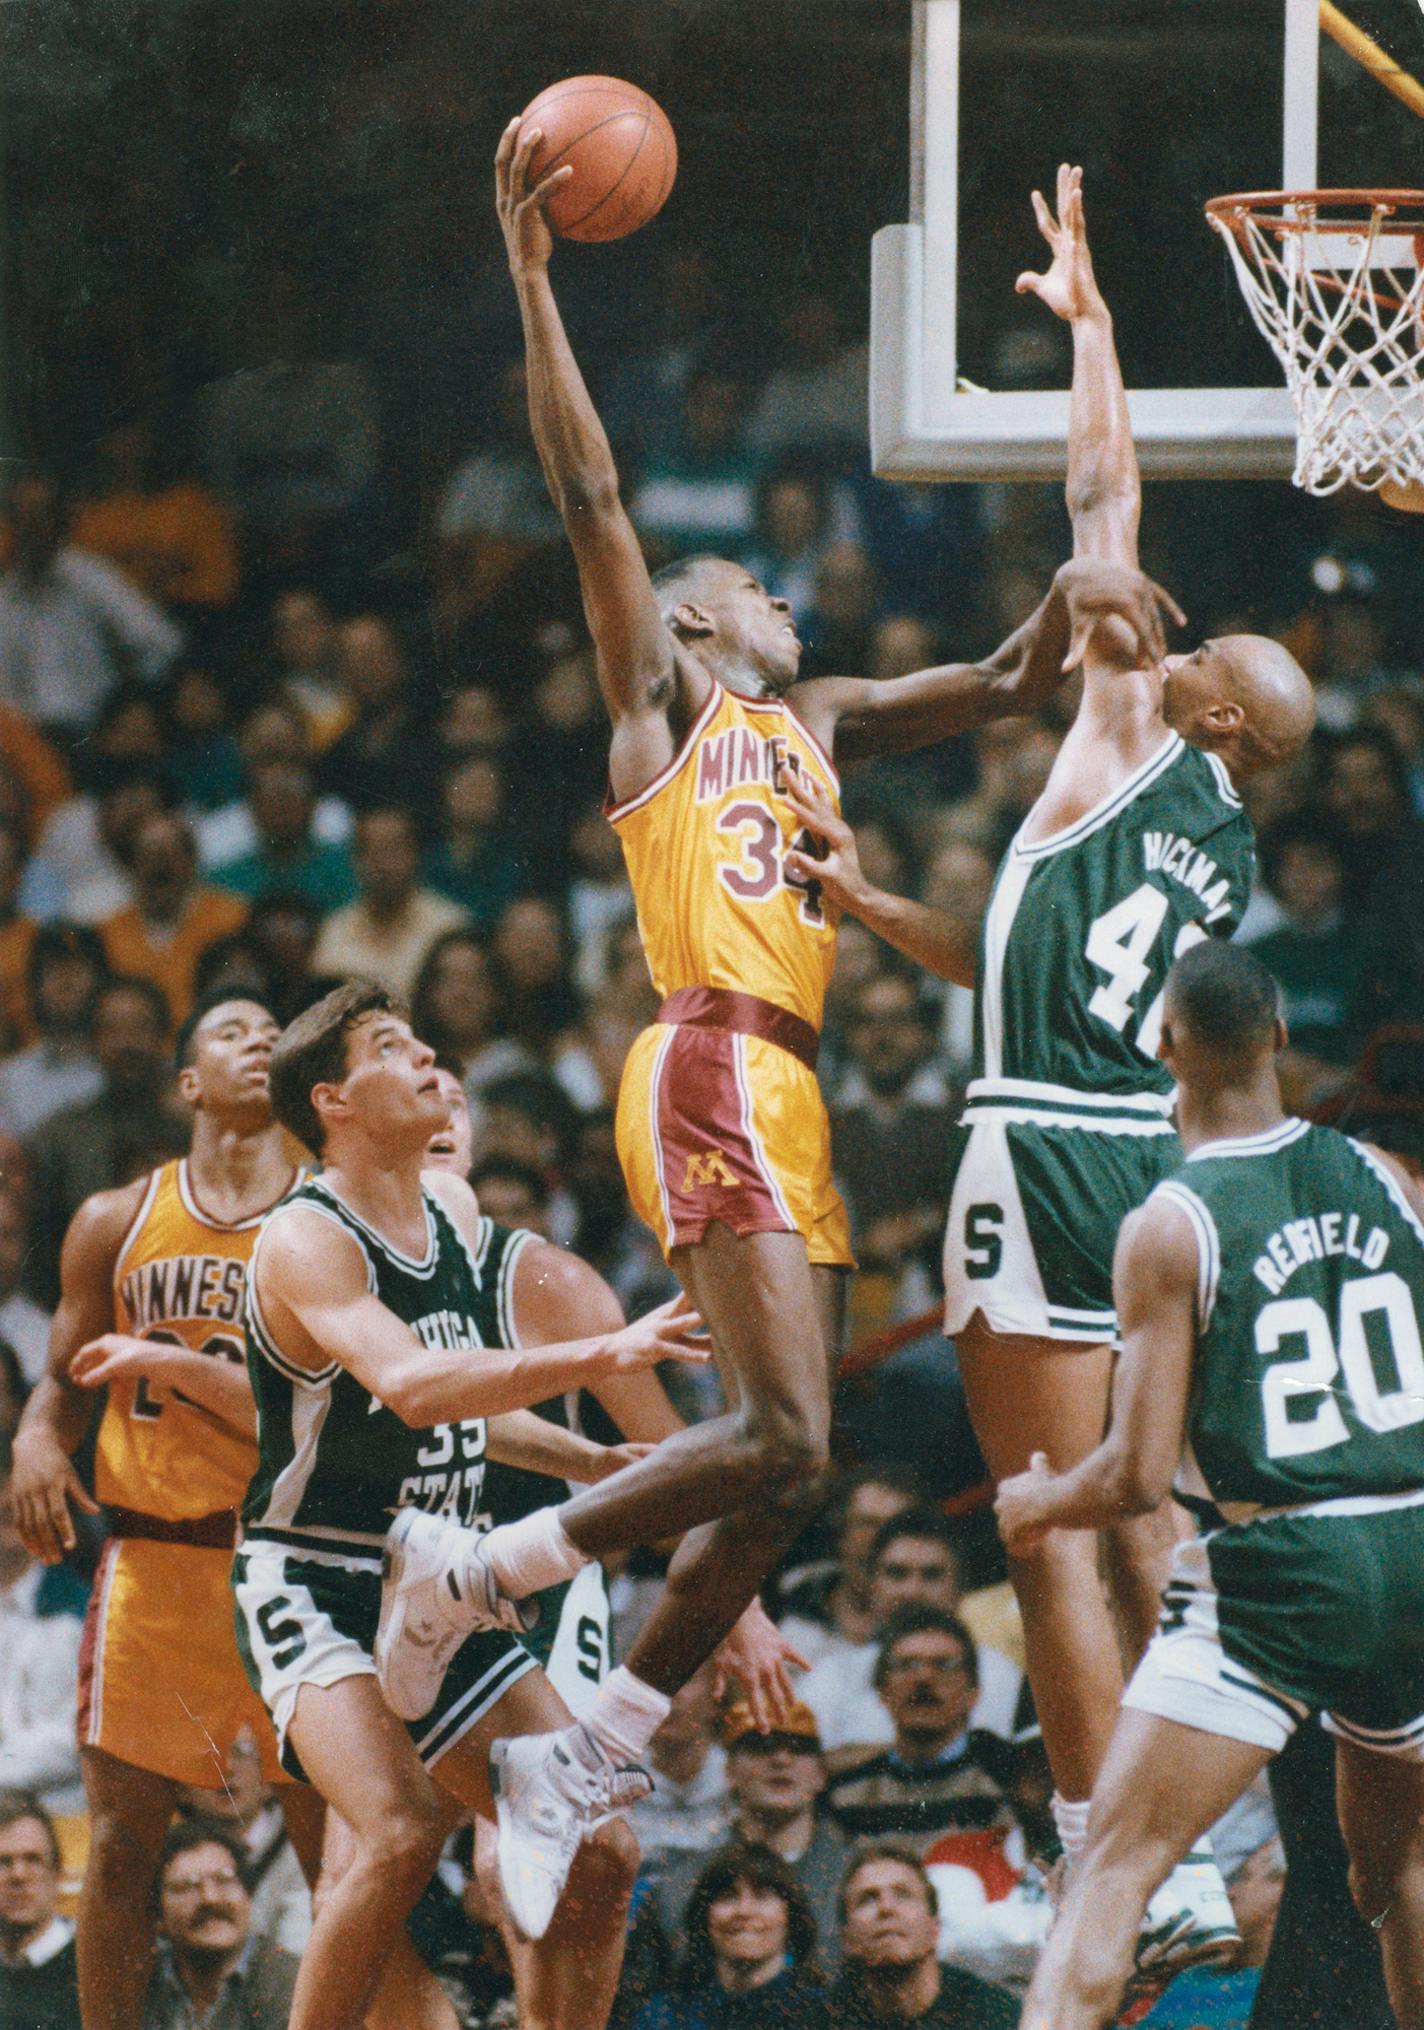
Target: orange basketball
x: 620, y: 146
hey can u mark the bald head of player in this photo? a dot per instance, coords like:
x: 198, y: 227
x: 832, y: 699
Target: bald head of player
x: 724, y: 617
x: 1222, y: 1026
x: 1241, y: 696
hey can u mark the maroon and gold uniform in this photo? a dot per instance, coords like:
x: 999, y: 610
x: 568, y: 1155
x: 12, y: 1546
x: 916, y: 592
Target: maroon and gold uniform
x: 720, y: 1116
x: 161, y: 1683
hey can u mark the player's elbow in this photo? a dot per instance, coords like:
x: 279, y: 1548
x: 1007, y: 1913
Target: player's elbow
x: 408, y: 1395
x: 1138, y: 1486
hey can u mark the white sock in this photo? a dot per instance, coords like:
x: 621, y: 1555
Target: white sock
x: 1071, y: 1819
x: 530, y: 1554
x: 625, y: 1715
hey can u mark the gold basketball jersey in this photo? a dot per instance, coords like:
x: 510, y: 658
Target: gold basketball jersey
x: 181, y: 1277
x: 705, y: 844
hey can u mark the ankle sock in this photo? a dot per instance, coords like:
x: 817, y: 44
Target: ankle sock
x: 625, y: 1715
x: 528, y: 1555
x: 1071, y: 1819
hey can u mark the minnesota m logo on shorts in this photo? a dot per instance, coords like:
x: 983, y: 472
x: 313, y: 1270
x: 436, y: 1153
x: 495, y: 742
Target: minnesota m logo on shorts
x: 707, y: 1166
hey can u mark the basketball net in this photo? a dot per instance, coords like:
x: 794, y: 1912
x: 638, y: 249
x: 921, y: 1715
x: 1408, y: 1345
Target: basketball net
x: 1334, y: 281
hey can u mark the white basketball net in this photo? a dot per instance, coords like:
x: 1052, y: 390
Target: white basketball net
x: 1342, y: 308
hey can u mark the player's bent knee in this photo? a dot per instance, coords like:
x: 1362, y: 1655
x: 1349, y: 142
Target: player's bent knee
x: 404, y: 1849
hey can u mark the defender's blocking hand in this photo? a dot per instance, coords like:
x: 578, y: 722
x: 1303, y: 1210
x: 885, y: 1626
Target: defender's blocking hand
x: 1095, y: 590
x: 521, y: 204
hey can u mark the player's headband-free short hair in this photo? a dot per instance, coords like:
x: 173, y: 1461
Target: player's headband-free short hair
x: 1225, y: 998
x: 311, y: 1051
x: 215, y: 997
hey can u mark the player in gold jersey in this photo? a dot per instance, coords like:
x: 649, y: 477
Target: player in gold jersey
x: 153, y: 1277
x: 720, y: 1123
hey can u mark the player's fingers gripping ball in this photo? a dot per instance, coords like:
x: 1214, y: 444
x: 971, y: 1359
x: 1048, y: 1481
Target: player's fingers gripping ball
x: 619, y: 146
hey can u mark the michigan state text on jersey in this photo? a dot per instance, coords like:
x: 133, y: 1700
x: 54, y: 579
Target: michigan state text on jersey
x: 1067, y: 1123
x: 334, y: 1462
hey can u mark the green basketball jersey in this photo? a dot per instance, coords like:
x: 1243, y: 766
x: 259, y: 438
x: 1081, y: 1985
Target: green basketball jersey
x: 333, y: 1462
x: 1309, y: 1379
x: 1080, y: 935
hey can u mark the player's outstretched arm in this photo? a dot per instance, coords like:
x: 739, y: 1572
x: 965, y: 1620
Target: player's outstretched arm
x: 937, y: 942
x: 519, y: 1438
x: 1104, y: 491
x: 558, y: 1295
x: 637, y: 665
x: 218, y: 1386
x: 56, y: 1417
x: 1155, y: 1291
x: 313, y: 1296
x: 865, y: 719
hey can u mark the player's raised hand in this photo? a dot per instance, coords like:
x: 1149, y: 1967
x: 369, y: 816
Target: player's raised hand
x: 837, y: 868
x: 43, y: 1483
x: 674, y: 1331
x: 116, y: 1356
x: 520, y: 203
x: 1095, y: 590
x: 1069, y: 287
x: 757, y: 1658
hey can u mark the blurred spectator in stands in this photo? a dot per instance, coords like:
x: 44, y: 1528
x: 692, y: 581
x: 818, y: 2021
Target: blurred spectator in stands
x: 277, y: 1888
x: 599, y: 895
x: 1365, y: 788
x: 1014, y: 758
x: 830, y: 1603
x: 14, y: 1389
x: 282, y: 931
x: 233, y: 965
x: 17, y: 937
x: 456, y: 1009
x: 559, y: 762
x: 927, y: 544
x: 41, y: 1623
x: 39, y: 1983
x: 1399, y: 709
x: 173, y: 918
x: 911, y: 787
x: 71, y: 626
x: 512, y: 1194
x: 588, y: 1061
x: 682, y: 330
x: 891, y: 1118
x: 699, y: 494
x: 774, y: 1781
x: 386, y: 754
x: 688, y: 1806
x: 840, y: 626
x: 387, y: 931
x: 66, y: 964
x: 958, y: 882
x: 130, y: 1125
x: 34, y: 781
x: 495, y: 513
x: 475, y: 859
x: 24, y: 1327
x: 751, y: 1952
x: 817, y: 395
x: 938, y: 1773
x: 83, y: 866
x: 608, y: 1234
x: 1329, y: 969
x: 889, y: 1933
x: 532, y: 963
x: 209, y: 1968
x: 990, y: 1882
x: 290, y: 442
x: 474, y: 721
x: 304, y: 669
x: 796, y: 519
x: 913, y: 1561
x: 274, y: 731
x: 860, y: 955
x: 528, y: 1117
x: 203, y: 759
x: 168, y: 535
x: 288, y: 854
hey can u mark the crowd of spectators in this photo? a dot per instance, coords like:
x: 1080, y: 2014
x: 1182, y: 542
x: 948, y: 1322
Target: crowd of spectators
x: 252, y: 734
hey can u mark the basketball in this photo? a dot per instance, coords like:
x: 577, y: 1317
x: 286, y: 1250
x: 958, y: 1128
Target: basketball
x: 620, y: 146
